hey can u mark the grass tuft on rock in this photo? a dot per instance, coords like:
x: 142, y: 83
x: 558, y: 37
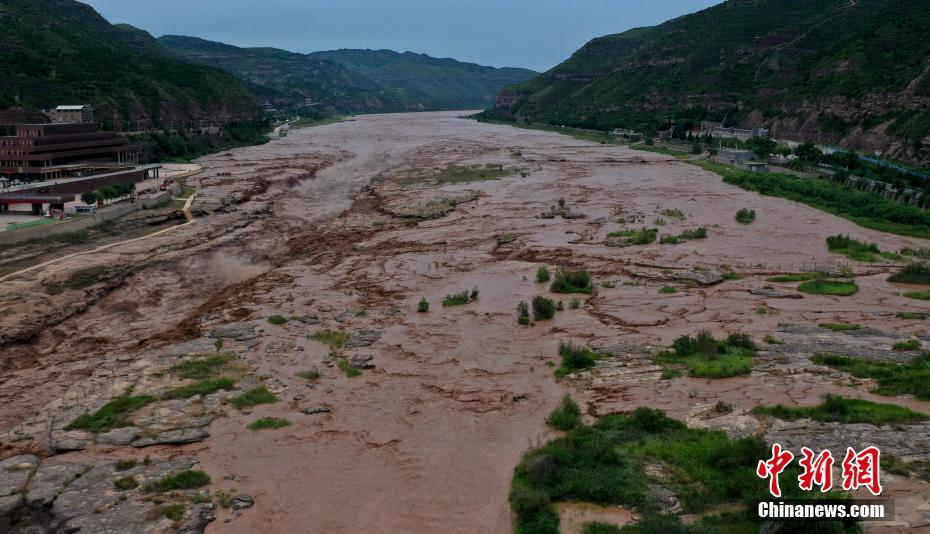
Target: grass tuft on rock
x: 458, y: 299
x: 203, y: 367
x: 277, y: 320
x: 182, y: 480
x: 125, y: 484
x: 643, y: 236
x: 571, y: 282
x: 111, y: 415
x: 837, y: 409
x: 347, y: 368
x: 909, y: 345
x: 204, y: 387
x: 835, y: 288
x: 668, y: 290
x: 268, y: 422
x: 423, y: 305
x: 311, y: 375
x: 918, y: 295
x: 334, y: 339
x: 254, y: 397
x: 840, y: 327
x: 892, y: 379
x: 566, y: 416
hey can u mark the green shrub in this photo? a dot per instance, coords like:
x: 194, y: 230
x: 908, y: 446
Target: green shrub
x: 912, y: 316
x: 574, y: 358
x: 918, y: 295
x: 668, y: 240
x: 543, y: 308
x: 705, y: 357
x: 697, y: 233
x: 922, y: 253
x: 673, y: 213
x: 912, y: 273
x: 574, y: 304
x: 277, y: 320
x: 910, y: 344
x: 112, y: 415
x: 668, y: 290
x: 182, y: 480
x: 643, y: 236
x: 840, y: 327
x: 523, y: 313
x: 566, y: 416
x: 571, y: 282
x: 204, y: 387
x: 126, y: 484
x: 269, y: 422
x: 423, y: 305
x: 839, y: 409
x: 542, y: 275
x: 834, y: 288
x: 746, y: 216
x: 455, y: 300
x: 334, y: 339
x: 892, y: 379
x: 255, y: 396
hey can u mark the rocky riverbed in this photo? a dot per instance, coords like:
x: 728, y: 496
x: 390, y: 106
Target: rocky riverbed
x: 302, y: 277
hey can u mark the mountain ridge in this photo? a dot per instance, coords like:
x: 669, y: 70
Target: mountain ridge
x: 811, y: 70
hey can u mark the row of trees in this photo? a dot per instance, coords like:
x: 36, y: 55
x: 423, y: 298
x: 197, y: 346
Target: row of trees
x: 108, y: 192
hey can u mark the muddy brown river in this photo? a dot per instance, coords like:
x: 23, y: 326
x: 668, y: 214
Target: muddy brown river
x: 426, y: 440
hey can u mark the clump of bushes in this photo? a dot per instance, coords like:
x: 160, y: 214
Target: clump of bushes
x: 542, y: 275
x: 857, y: 250
x: 460, y: 299
x: 918, y: 295
x: 912, y: 273
x: 543, y: 308
x: 697, y: 233
x: 745, y: 216
x: 566, y: 416
x: 574, y: 357
x: 571, y: 282
x: 668, y: 290
x: 423, y: 305
x: 706, y: 357
x: 669, y: 240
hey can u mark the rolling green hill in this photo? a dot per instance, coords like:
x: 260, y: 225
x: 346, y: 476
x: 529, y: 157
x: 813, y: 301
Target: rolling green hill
x: 56, y: 52
x: 428, y: 82
x: 849, y: 72
x: 289, y: 78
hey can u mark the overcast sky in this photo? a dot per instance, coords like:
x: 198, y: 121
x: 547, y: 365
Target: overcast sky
x: 536, y: 34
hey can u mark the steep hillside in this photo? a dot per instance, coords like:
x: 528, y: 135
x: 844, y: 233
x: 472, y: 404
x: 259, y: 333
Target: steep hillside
x: 290, y: 78
x: 431, y: 83
x: 60, y: 51
x: 851, y: 72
